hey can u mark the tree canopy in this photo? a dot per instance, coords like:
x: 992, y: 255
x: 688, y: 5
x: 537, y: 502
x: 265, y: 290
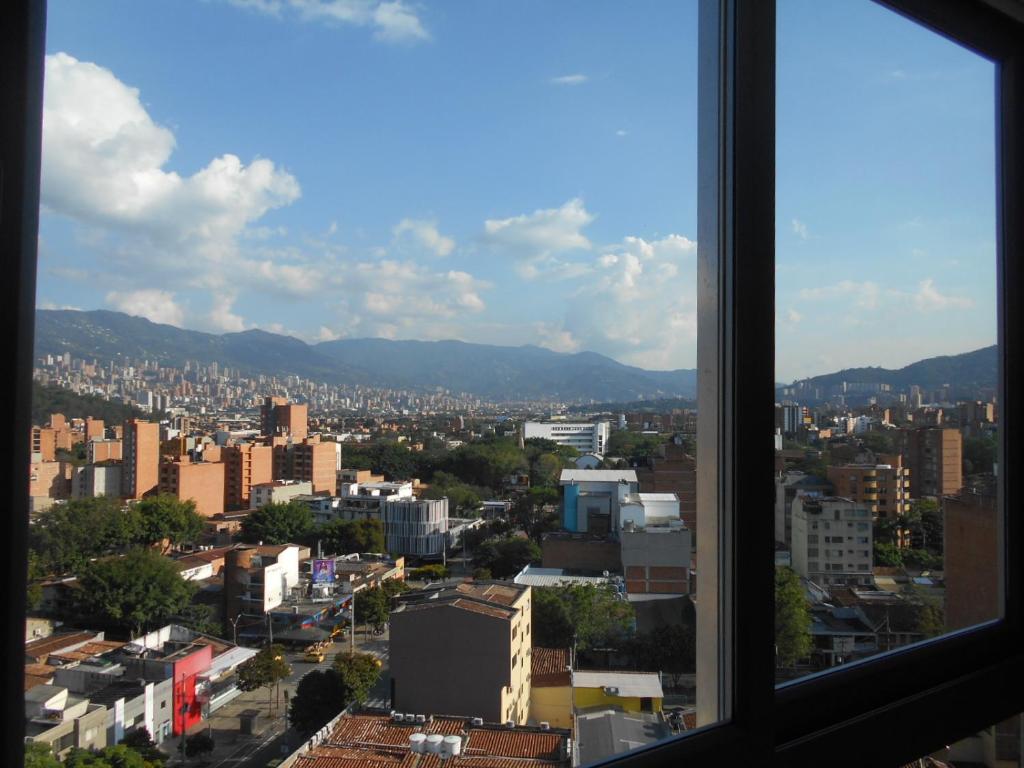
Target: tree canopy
x: 322, y: 694
x: 348, y: 536
x: 373, y: 606
x: 792, y: 618
x: 506, y: 556
x: 67, y: 536
x: 167, y: 517
x: 136, y: 592
x: 595, y: 615
x: 278, y: 523
x: 264, y: 670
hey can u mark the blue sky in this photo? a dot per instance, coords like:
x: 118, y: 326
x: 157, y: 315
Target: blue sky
x: 506, y: 173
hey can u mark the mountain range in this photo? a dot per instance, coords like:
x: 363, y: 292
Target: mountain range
x: 495, y: 373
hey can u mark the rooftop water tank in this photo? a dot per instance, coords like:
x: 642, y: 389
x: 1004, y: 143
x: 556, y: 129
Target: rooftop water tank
x: 434, y: 742
x: 452, y: 746
x: 417, y: 742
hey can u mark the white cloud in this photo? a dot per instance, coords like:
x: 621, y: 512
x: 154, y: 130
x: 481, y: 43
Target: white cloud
x: 622, y: 132
x: 574, y: 79
x: 392, y: 21
x: 103, y: 165
x: 269, y: 7
x: 927, y: 298
x: 53, y: 305
x: 427, y: 235
x: 326, y: 334
x: 535, y: 240
x: 793, y: 316
x: 155, y: 305
x: 555, y: 338
x: 222, y: 319
x: 800, y: 229
x: 637, y: 304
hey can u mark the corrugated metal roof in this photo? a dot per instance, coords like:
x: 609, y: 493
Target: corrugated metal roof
x: 597, y: 475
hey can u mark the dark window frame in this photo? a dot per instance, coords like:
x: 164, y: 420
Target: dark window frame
x: 938, y: 692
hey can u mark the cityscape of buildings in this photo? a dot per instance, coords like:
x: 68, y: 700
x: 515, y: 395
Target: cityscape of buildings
x: 884, y: 515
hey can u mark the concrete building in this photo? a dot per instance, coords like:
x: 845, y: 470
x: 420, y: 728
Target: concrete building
x: 279, y: 418
x: 463, y: 650
x: 310, y: 460
x: 141, y: 454
x: 49, y: 480
x: 416, y: 527
x: 245, y: 465
x: 201, y: 482
x: 656, y: 561
x: 673, y: 471
x: 591, y: 498
x: 971, y: 555
x: 64, y: 721
x: 94, y: 429
x: 832, y: 541
x: 277, y: 492
x: 91, y: 480
x: 585, y: 437
x: 551, y: 687
x: 934, y: 456
x: 787, y: 486
x: 884, y: 488
x: 259, y: 578
x: 101, y: 449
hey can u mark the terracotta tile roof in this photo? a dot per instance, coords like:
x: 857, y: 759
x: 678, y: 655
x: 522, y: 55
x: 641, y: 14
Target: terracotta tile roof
x: 374, y: 741
x: 548, y: 661
x: 513, y: 743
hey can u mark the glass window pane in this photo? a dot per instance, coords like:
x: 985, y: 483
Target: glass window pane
x: 336, y: 296
x: 887, y: 407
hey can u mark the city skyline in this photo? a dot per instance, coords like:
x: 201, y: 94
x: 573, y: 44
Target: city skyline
x: 552, y: 202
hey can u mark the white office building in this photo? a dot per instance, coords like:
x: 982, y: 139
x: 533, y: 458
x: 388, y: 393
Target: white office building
x: 585, y: 437
x: 832, y: 544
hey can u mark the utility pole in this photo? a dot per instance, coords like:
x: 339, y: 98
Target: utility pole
x: 352, y: 625
x: 270, y: 627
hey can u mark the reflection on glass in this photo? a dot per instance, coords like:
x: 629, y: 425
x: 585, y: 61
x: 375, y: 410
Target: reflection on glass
x: 887, y: 420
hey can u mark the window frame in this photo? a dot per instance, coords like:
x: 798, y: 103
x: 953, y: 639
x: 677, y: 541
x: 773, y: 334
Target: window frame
x: 924, y: 688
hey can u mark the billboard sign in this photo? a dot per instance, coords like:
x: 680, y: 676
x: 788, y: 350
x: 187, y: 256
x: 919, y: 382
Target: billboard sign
x: 323, y: 571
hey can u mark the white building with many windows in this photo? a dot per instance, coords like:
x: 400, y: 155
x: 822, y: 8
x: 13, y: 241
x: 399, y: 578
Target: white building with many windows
x: 832, y: 544
x: 585, y: 437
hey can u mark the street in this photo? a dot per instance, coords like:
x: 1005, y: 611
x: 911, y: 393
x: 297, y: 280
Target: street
x: 236, y: 750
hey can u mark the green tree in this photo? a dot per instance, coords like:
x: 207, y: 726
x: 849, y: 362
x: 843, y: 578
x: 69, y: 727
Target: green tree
x: 392, y: 587
x: 67, y: 536
x: 199, y: 744
x: 140, y: 741
x: 358, y: 673
x: 670, y: 649
x: 201, y: 618
x: 318, y: 697
x: 979, y: 454
x: 595, y: 616
x: 932, y: 525
x: 372, y: 607
x: 505, y: 557
x: 278, y: 523
x: 879, y: 442
x: 39, y: 755
x: 264, y: 670
x: 792, y: 618
x: 323, y: 694
x: 135, y: 592
x: 433, y: 572
x: 167, y: 517
x: 119, y: 756
x: 348, y: 536
x: 887, y: 554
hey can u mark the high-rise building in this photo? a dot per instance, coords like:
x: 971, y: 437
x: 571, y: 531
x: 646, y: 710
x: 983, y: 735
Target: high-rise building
x: 971, y: 524
x: 934, y: 457
x: 140, y: 451
x: 832, y: 543
x: 884, y: 488
x: 94, y: 429
x: 279, y: 418
x: 311, y: 460
x: 417, y: 527
x: 245, y: 465
x: 201, y: 482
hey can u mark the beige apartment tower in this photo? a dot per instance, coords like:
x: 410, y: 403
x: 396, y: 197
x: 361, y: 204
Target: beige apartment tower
x: 140, y: 449
x: 934, y: 456
x: 884, y: 488
x: 245, y: 465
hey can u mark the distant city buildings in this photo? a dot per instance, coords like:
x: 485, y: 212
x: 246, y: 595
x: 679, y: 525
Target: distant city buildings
x: 585, y: 437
